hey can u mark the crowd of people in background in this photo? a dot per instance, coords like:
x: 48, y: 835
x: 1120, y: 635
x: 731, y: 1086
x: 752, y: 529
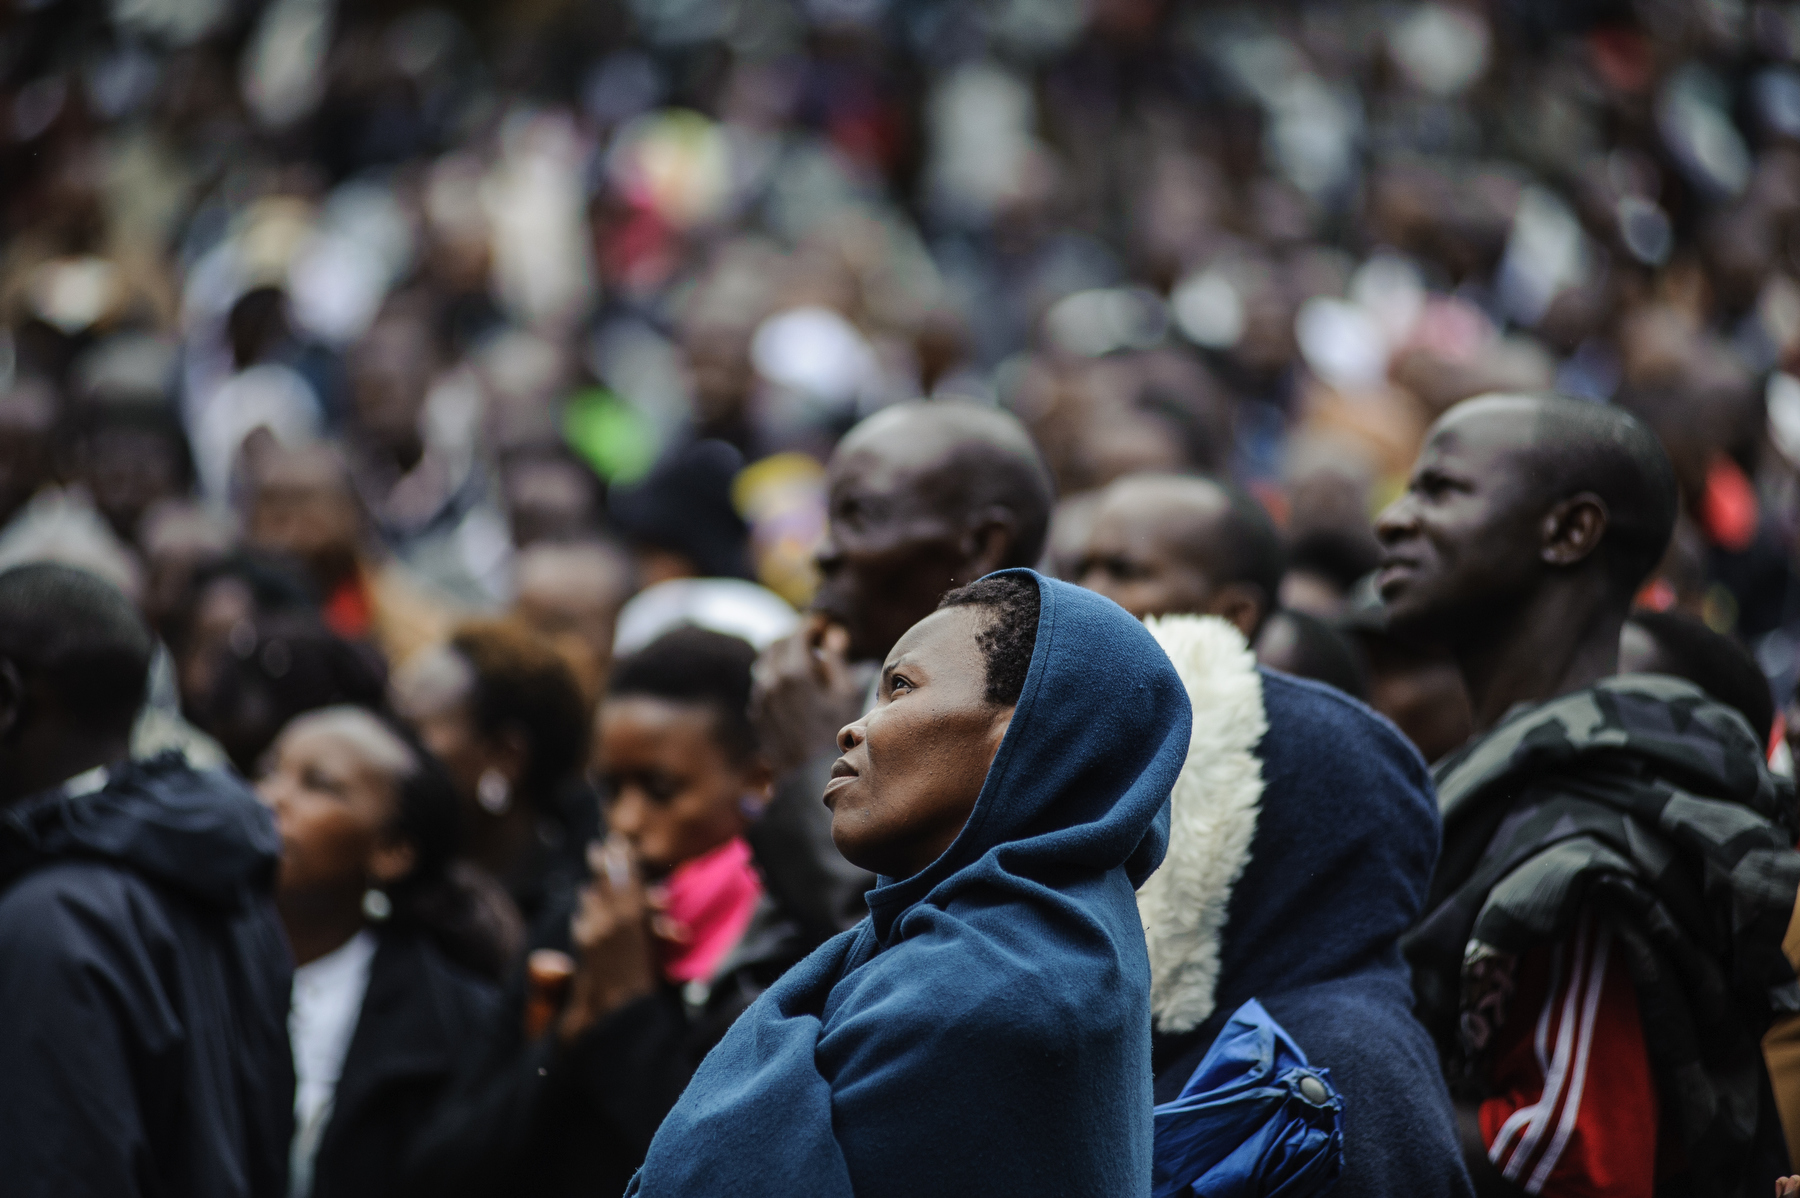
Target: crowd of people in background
x: 504, y: 443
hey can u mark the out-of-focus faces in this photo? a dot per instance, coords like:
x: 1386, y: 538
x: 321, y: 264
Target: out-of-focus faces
x: 673, y: 791
x: 390, y: 376
x: 222, y: 606
x: 572, y: 595
x: 1137, y: 555
x: 129, y: 469
x: 303, y: 506
x: 914, y: 766
x: 891, y: 548
x: 333, y: 785
x: 1464, y: 537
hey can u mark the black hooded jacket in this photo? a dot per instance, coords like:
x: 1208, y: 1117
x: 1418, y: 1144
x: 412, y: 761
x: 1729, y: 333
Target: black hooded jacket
x: 144, y: 984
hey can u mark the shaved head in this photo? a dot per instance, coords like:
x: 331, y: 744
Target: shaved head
x: 1512, y: 493
x: 925, y: 497
x: 970, y: 457
x: 1578, y: 446
x: 1163, y: 544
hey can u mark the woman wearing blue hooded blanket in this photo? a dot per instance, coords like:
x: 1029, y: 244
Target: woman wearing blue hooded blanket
x: 986, y: 1031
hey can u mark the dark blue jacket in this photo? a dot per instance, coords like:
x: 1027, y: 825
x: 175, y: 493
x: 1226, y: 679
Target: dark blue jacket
x: 986, y: 1031
x: 1348, y: 806
x: 144, y: 983
x: 1331, y: 869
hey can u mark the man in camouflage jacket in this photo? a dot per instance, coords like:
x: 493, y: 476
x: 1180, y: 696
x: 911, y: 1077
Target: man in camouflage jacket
x: 1601, y: 952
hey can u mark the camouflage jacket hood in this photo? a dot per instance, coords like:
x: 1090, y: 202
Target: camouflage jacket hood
x: 1649, y: 803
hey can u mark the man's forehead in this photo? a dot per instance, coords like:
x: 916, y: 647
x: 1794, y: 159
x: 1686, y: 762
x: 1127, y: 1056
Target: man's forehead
x: 1483, y: 432
x: 1159, y: 512
x: 905, y: 457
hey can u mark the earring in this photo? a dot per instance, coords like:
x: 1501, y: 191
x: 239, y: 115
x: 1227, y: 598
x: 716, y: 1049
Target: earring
x: 493, y: 792
x: 376, y: 905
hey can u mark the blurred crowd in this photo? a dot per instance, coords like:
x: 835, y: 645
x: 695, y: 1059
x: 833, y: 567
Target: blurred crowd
x: 433, y: 358
x: 362, y: 320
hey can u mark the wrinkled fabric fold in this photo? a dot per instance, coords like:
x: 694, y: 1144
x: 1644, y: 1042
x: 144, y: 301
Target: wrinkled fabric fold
x: 1255, y: 1120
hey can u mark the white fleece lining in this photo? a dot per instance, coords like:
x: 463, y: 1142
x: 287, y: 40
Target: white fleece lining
x: 1213, y: 811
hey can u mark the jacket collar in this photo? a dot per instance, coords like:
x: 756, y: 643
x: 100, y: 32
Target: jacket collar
x: 1213, y: 814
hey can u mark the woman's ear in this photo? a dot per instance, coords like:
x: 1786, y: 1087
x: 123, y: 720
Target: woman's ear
x: 392, y: 860
x: 997, y: 730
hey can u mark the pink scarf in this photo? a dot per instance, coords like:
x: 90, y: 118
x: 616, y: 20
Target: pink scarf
x: 709, y: 900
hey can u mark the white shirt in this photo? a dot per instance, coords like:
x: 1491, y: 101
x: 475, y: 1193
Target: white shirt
x: 328, y: 998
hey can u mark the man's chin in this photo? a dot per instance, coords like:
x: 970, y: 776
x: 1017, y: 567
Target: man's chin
x: 1413, y: 619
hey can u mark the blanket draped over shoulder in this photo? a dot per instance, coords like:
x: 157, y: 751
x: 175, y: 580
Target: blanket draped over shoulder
x: 1648, y: 803
x: 986, y: 1031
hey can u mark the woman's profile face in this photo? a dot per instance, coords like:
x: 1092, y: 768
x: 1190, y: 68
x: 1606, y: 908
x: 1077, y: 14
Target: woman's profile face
x: 333, y: 787
x: 913, y: 766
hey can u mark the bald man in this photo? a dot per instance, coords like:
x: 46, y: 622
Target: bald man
x: 1164, y: 543
x: 923, y: 497
x: 1602, y: 946
x: 1308, y: 924
x: 1160, y: 544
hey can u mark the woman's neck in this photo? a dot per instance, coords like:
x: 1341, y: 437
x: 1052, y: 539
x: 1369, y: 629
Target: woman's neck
x: 503, y: 841
x: 313, y: 934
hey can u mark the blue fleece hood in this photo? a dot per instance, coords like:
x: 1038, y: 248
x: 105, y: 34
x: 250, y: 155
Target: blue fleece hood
x: 1075, y: 782
x: 987, y: 1030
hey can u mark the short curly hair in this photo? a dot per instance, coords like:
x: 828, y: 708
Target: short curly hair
x: 1007, y: 642
x: 523, y: 683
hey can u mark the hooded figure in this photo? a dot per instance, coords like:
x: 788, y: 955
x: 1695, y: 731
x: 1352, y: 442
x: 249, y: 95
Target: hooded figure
x: 1302, y: 839
x: 143, y: 1046
x: 986, y: 1030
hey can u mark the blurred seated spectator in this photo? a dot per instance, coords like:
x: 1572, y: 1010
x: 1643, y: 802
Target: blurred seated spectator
x: 302, y: 504
x: 272, y: 667
x: 130, y: 453
x: 177, y: 537
x: 571, y: 592
x: 230, y: 592
x: 391, y: 951
x: 671, y: 939
x: 1305, y: 646
x: 261, y: 398
x: 502, y: 709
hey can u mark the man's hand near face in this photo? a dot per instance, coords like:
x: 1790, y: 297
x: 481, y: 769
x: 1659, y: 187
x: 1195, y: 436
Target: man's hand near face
x: 805, y: 689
